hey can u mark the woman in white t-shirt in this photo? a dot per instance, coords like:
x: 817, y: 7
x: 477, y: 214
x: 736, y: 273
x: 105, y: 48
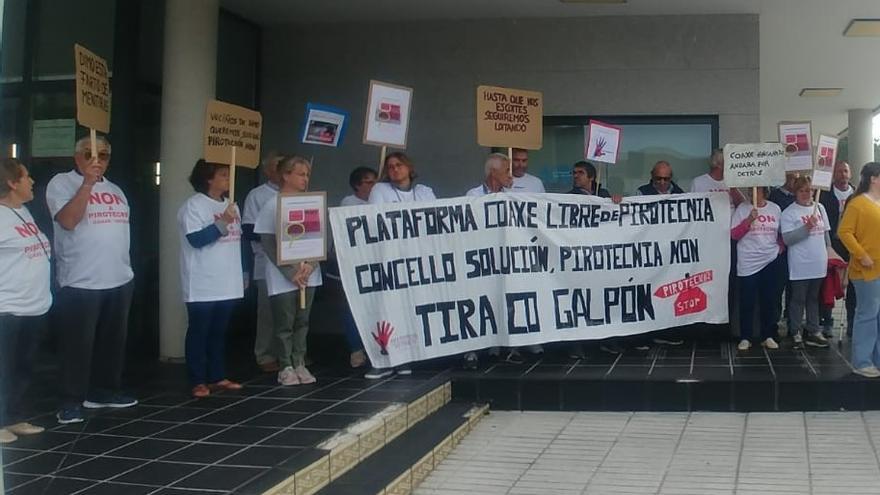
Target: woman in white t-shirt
x: 758, y: 249
x: 211, y: 275
x: 804, y: 228
x: 398, y: 186
x: 398, y: 183
x: 283, y: 283
x: 24, y: 295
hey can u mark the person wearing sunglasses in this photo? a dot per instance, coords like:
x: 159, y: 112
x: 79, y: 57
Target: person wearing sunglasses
x: 661, y: 181
x: 91, y: 226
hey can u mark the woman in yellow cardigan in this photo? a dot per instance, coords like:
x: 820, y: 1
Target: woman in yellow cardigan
x: 859, y: 230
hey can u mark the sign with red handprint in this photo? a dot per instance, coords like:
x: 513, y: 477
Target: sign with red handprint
x: 382, y: 336
x: 601, y: 142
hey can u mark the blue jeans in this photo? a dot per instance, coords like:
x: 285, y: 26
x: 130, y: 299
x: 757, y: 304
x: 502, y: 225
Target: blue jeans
x: 866, y: 325
x: 206, y: 340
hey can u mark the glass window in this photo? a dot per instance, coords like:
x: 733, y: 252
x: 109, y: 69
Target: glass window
x: 686, y: 145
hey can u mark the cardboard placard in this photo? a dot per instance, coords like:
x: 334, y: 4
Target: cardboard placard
x: 754, y: 165
x: 92, y: 90
x: 301, y: 227
x: 797, y: 138
x: 602, y: 142
x: 510, y: 118
x: 826, y: 155
x: 227, y: 126
x: 387, y: 119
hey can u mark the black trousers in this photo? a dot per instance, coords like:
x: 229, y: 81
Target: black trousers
x: 19, y: 338
x: 92, y: 327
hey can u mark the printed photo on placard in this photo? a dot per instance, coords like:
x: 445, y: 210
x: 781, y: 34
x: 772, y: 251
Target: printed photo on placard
x: 826, y: 154
x: 324, y: 125
x: 796, y: 137
x: 302, y: 222
x: 387, y: 116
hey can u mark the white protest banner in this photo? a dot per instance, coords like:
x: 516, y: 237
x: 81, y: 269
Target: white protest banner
x: 754, y: 165
x: 387, y: 118
x: 602, y: 142
x: 826, y: 155
x: 510, y: 118
x: 797, y: 137
x: 302, y: 224
x: 455, y: 275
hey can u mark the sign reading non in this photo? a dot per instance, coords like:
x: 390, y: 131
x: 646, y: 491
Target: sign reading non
x: 510, y: 118
x: 92, y: 90
x: 754, y: 165
x: 228, y: 126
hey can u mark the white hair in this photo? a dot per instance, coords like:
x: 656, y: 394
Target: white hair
x: 495, y: 161
x: 86, y: 142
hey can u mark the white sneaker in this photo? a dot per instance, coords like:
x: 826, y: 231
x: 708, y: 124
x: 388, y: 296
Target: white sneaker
x: 7, y: 436
x: 769, y: 343
x: 798, y: 340
x: 304, y: 375
x: 744, y: 345
x: 288, y: 376
x: 25, y: 429
x: 868, y: 372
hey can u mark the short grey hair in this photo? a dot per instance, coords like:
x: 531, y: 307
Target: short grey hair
x: 86, y: 142
x: 494, y: 161
x: 717, y: 157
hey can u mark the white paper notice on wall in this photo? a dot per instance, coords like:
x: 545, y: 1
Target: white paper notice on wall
x: 387, y: 119
x: 602, y: 142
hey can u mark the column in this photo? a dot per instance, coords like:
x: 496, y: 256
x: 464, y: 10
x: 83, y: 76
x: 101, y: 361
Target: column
x: 860, y: 140
x: 188, y: 82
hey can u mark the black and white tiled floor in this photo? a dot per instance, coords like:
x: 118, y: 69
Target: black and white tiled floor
x: 172, y: 444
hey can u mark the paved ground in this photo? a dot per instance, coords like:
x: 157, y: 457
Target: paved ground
x: 519, y: 453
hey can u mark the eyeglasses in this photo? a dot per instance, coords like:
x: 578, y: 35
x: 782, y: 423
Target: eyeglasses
x: 102, y: 155
x: 661, y: 179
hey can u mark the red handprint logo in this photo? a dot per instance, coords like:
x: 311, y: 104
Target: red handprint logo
x: 382, y: 335
x: 600, y: 147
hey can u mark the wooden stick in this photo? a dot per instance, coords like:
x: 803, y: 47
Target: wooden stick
x: 510, y: 161
x: 382, y: 160
x: 302, y: 298
x: 816, y: 203
x: 755, y: 197
x: 93, y: 135
x: 232, y: 177
x: 598, y: 180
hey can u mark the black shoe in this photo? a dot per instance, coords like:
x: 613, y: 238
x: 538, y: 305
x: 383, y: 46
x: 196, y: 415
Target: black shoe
x: 576, y: 351
x: 471, y: 361
x: 514, y: 357
x: 816, y: 340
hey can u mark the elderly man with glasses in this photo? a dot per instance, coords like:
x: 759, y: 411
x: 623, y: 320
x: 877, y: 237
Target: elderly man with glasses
x: 91, y: 247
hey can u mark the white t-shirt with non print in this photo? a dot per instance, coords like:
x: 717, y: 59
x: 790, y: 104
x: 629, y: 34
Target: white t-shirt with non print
x: 253, y: 203
x: 842, y: 197
x: 24, y: 286
x: 527, y: 183
x: 276, y: 282
x: 759, y: 247
x: 352, y: 200
x: 95, y: 254
x: 212, y: 272
x: 706, y: 183
x: 384, y: 192
x: 807, y: 259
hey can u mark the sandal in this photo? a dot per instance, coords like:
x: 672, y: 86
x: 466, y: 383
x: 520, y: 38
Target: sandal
x: 201, y: 391
x: 225, y: 384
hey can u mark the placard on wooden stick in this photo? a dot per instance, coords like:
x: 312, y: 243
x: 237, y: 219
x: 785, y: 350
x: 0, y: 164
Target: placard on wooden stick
x: 826, y: 155
x: 387, y: 117
x: 510, y: 118
x: 227, y: 126
x: 92, y: 90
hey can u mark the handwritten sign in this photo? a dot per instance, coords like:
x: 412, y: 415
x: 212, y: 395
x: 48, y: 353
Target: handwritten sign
x: 92, y: 90
x: 754, y: 164
x: 228, y: 125
x: 509, y: 118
